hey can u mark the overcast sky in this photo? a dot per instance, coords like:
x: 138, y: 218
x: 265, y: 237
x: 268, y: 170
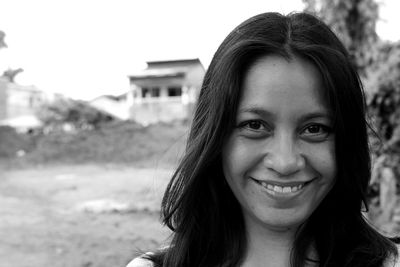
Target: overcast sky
x: 86, y: 48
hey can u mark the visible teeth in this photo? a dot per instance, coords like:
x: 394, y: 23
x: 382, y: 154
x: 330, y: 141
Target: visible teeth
x: 287, y: 190
x: 278, y: 189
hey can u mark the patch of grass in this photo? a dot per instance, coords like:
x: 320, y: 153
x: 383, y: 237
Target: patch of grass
x: 112, y: 143
x: 11, y: 142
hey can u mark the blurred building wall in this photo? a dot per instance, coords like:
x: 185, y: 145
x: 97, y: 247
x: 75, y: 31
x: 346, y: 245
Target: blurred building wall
x: 165, y: 90
x: 3, y: 98
x: 23, y: 100
x: 19, y: 103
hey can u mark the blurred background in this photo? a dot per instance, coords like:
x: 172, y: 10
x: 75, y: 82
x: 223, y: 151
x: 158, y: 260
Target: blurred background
x: 95, y: 103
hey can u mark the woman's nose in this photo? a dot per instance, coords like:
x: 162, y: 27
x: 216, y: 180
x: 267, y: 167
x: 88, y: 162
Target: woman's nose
x: 283, y: 157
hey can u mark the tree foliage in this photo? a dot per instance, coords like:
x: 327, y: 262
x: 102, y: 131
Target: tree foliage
x: 2, y: 42
x: 75, y: 113
x: 384, y: 101
x: 354, y: 21
x: 10, y: 74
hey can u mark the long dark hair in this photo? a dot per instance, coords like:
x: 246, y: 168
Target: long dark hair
x: 206, y: 219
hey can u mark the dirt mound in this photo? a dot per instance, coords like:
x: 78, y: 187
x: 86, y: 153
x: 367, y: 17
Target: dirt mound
x: 114, y: 142
x: 11, y: 142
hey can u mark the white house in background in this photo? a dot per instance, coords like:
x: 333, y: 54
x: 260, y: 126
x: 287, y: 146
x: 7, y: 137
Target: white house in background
x: 18, y: 104
x: 165, y: 90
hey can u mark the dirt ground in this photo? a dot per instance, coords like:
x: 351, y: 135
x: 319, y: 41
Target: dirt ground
x: 79, y: 216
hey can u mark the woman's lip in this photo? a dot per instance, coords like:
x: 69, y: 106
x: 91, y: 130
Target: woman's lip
x: 291, y: 184
x: 283, y: 191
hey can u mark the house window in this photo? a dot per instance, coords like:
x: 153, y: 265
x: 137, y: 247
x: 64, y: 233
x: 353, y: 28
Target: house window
x: 155, y: 92
x: 174, y: 91
x: 151, y: 92
x: 145, y: 92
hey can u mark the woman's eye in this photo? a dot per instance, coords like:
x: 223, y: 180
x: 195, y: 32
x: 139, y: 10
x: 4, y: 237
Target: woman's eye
x: 314, y: 129
x: 317, y: 131
x: 254, y: 125
x: 254, y: 128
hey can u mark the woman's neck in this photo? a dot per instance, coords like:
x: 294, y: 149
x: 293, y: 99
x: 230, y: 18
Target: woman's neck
x: 268, y: 247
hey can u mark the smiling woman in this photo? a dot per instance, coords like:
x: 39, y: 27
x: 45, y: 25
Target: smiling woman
x: 277, y: 163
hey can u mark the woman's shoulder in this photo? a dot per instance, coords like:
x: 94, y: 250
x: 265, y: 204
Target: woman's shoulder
x: 140, y: 262
x: 394, y: 261
x: 144, y: 259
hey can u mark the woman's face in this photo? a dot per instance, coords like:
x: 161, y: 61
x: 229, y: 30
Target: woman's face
x: 279, y: 160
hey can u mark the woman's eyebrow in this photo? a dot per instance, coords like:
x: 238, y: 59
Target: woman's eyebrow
x: 258, y: 111
x: 316, y: 115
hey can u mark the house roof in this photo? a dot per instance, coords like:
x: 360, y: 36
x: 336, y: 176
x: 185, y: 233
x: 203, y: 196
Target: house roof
x: 168, y: 68
x: 27, y: 88
x: 158, y: 73
x: 111, y: 97
x: 181, y: 62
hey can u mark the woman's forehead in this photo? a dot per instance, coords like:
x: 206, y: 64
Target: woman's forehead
x: 275, y: 83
